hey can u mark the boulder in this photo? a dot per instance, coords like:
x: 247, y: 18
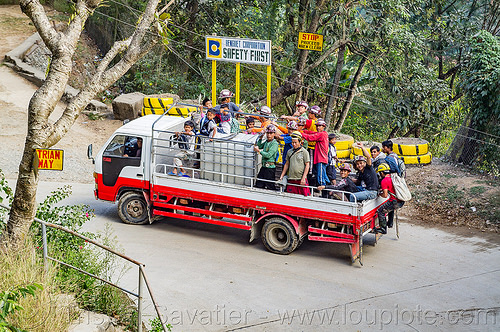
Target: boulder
x: 128, y: 106
x: 93, y: 322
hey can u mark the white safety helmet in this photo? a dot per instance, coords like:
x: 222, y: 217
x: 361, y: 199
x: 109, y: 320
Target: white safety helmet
x: 264, y: 110
x: 315, y: 110
x: 292, y: 125
x: 302, y: 103
x: 320, y: 122
x: 271, y: 128
x: 225, y: 94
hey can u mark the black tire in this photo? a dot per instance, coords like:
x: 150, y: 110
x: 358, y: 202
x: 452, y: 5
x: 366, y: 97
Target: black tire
x: 132, y: 209
x: 279, y: 236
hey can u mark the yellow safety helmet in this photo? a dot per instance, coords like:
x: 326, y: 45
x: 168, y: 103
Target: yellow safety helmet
x: 384, y: 167
x: 296, y: 134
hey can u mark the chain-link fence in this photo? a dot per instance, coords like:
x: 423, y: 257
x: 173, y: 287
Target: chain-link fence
x: 476, y: 149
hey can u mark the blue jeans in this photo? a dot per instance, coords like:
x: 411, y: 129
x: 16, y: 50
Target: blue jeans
x: 321, y: 177
x: 363, y: 195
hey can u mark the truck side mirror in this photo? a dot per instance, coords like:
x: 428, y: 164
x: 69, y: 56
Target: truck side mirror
x: 89, y: 153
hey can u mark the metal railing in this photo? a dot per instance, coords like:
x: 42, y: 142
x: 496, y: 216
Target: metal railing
x: 142, y: 274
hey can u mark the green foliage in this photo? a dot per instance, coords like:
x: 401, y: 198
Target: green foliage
x: 156, y: 325
x: 480, y: 84
x: 6, y: 197
x: 9, y: 303
x: 477, y: 190
x: 91, y: 294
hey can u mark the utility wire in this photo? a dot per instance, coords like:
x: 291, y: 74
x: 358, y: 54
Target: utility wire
x: 316, y: 90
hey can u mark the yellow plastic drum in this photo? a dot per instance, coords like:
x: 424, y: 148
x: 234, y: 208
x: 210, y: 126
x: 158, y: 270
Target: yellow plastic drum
x: 344, y: 142
x: 418, y: 160
x: 154, y: 102
x: 410, y: 146
x: 367, y: 144
x: 149, y: 110
x: 343, y: 153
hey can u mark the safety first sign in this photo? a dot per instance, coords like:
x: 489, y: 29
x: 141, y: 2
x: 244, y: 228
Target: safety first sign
x: 310, y: 41
x: 238, y: 50
x: 49, y: 159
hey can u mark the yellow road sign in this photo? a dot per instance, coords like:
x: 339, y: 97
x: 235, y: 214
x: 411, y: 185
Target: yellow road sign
x: 49, y: 159
x: 310, y: 41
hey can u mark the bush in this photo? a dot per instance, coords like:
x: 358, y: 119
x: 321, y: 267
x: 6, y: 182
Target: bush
x: 90, y: 293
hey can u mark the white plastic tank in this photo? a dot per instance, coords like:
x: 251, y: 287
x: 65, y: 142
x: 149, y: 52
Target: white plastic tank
x: 230, y: 159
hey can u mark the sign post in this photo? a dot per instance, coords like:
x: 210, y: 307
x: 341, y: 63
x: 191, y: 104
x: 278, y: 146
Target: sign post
x: 239, y: 50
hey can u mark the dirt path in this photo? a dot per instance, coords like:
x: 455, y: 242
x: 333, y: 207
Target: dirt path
x: 15, y: 93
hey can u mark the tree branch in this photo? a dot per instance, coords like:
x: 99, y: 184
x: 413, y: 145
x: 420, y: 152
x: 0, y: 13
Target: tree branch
x: 34, y: 10
x: 325, y: 55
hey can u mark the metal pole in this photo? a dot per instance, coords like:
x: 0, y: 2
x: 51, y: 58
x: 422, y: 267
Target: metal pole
x: 44, y: 240
x: 268, y: 86
x: 214, y: 82
x: 139, y: 302
x: 237, y: 83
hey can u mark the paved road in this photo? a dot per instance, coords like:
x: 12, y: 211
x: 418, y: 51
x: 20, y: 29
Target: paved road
x: 208, y: 278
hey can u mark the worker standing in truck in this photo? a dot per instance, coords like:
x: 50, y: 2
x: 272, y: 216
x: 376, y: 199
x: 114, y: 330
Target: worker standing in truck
x: 268, y: 148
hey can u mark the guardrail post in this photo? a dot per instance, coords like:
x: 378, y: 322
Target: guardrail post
x: 44, y: 241
x: 139, y: 302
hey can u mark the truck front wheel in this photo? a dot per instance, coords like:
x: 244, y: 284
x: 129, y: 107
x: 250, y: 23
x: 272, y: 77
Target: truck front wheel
x: 132, y: 209
x: 279, y: 236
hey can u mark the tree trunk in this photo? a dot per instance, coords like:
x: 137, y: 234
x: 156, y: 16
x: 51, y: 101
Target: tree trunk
x: 350, y: 95
x: 336, y: 79
x: 41, y: 133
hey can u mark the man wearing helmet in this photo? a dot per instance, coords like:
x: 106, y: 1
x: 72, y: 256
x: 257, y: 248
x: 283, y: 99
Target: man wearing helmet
x: 345, y: 184
x: 392, y: 204
x: 268, y: 149
x: 367, y: 181
x: 296, y: 166
x: 265, y: 119
x: 225, y: 98
x: 320, y: 159
x: 301, y: 108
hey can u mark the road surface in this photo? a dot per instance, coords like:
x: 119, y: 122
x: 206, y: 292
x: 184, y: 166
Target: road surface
x: 208, y: 278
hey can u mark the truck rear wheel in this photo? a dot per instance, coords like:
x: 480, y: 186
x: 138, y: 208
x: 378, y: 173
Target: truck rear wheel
x: 132, y: 209
x: 279, y: 236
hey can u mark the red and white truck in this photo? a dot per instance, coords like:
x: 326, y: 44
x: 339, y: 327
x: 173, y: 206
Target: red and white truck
x: 219, y: 190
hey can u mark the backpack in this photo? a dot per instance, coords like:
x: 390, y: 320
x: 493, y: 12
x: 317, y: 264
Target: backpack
x: 400, y: 187
x: 400, y: 163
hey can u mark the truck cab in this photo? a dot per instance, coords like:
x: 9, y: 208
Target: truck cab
x: 123, y: 163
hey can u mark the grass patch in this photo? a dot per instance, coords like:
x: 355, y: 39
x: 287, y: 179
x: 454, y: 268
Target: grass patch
x: 452, y: 194
x: 25, y: 267
x: 449, y: 176
x: 477, y: 190
x: 45, y: 311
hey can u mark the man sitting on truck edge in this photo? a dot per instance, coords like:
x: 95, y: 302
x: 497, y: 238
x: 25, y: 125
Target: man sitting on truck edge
x: 392, y: 204
x: 367, y: 181
x: 268, y: 148
x: 345, y: 184
x: 296, y: 166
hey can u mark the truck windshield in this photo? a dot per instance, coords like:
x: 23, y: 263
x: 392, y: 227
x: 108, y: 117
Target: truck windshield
x: 124, y: 146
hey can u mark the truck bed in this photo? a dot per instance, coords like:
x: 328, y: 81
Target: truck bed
x: 265, y: 200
